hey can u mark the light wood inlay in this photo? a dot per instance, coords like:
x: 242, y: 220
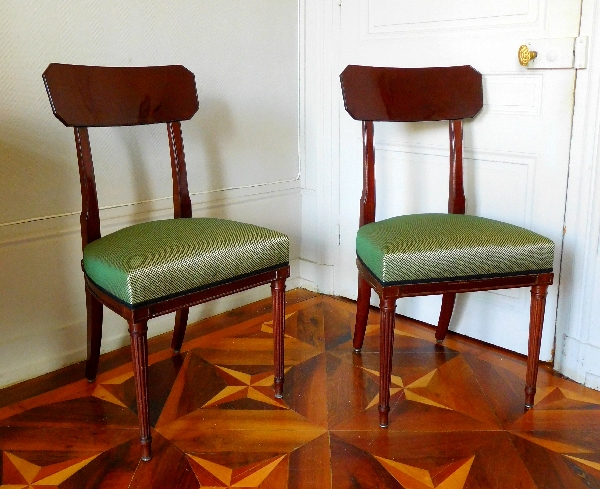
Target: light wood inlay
x: 456, y: 418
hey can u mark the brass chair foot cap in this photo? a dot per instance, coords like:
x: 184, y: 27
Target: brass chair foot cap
x: 439, y: 342
x: 357, y: 350
x: 146, y: 459
x: 279, y: 396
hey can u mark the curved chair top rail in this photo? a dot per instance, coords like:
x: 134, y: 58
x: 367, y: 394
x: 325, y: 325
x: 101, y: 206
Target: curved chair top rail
x: 411, y: 94
x: 84, y: 96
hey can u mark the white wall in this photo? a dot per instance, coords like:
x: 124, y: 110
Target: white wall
x: 241, y: 150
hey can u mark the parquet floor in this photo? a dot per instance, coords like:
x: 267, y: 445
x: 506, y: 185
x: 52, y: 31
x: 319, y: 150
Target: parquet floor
x: 456, y: 421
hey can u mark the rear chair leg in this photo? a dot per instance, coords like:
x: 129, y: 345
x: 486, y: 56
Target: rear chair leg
x: 386, y: 340
x: 536, y: 320
x: 362, y: 313
x: 278, y: 296
x: 139, y: 355
x: 94, y: 335
x: 181, y: 318
x: 448, y: 301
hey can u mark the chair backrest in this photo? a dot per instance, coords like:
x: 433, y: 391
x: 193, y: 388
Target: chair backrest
x: 98, y: 96
x: 88, y: 96
x: 410, y: 95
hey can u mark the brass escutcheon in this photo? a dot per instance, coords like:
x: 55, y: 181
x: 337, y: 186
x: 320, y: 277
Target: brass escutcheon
x: 525, y: 56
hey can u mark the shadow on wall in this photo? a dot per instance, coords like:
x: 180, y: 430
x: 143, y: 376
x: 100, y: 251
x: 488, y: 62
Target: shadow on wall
x: 205, y: 135
x: 36, y: 174
x: 135, y: 162
x: 41, y: 283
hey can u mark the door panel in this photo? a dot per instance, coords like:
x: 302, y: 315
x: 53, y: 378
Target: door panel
x: 401, y: 15
x: 516, y: 149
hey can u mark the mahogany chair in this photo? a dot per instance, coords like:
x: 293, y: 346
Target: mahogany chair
x: 427, y: 254
x: 154, y: 268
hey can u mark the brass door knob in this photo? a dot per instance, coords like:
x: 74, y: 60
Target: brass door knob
x: 525, y: 56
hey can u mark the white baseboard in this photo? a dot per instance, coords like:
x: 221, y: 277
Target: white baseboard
x: 316, y: 277
x: 581, y: 362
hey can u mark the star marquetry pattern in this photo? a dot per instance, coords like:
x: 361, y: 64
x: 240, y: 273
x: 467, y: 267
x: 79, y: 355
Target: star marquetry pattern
x: 215, y: 476
x: 450, y: 476
x: 555, y: 397
x: 456, y: 417
x: 105, y: 391
x: 18, y: 473
x: 241, y: 385
x: 396, y: 386
x: 267, y: 326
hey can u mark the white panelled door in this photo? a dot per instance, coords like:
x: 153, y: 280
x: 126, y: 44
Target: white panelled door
x: 516, y: 149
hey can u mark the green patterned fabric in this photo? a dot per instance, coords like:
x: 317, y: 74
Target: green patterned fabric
x: 423, y: 248
x: 154, y: 260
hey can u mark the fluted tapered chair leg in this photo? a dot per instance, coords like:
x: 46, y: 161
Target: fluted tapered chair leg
x: 278, y: 296
x: 538, y: 306
x: 94, y: 335
x: 448, y: 301
x: 386, y: 348
x: 181, y: 319
x: 362, y: 313
x: 139, y: 354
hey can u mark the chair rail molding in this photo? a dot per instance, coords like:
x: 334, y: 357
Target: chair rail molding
x: 40, y: 263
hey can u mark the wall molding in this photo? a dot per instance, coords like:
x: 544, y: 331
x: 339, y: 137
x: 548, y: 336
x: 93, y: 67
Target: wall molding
x: 316, y: 277
x: 200, y: 201
x: 42, y: 275
x: 534, y: 19
x: 320, y: 159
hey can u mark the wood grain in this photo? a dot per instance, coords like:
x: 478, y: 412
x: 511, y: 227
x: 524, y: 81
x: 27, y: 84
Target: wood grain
x: 456, y: 414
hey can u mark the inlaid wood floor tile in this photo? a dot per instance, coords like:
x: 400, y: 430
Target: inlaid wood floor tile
x: 552, y: 469
x: 185, y: 396
x: 169, y: 463
x: 456, y: 421
x: 427, y: 460
x: 303, y: 384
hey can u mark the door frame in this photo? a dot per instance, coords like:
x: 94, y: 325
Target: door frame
x: 577, y: 339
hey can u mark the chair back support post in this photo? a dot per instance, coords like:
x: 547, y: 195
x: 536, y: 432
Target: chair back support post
x: 456, y: 199
x: 90, y: 216
x: 182, y: 205
x: 367, y: 201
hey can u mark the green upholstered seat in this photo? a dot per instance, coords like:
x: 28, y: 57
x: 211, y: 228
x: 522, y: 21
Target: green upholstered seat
x: 423, y: 248
x: 154, y: 260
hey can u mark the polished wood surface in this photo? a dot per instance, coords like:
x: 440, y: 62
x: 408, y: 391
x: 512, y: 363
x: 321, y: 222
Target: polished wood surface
x: 425, y: 94
x: 411, y: 94
x: 456, y: 414
x: 456, y: 191
x: 84, y: 96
